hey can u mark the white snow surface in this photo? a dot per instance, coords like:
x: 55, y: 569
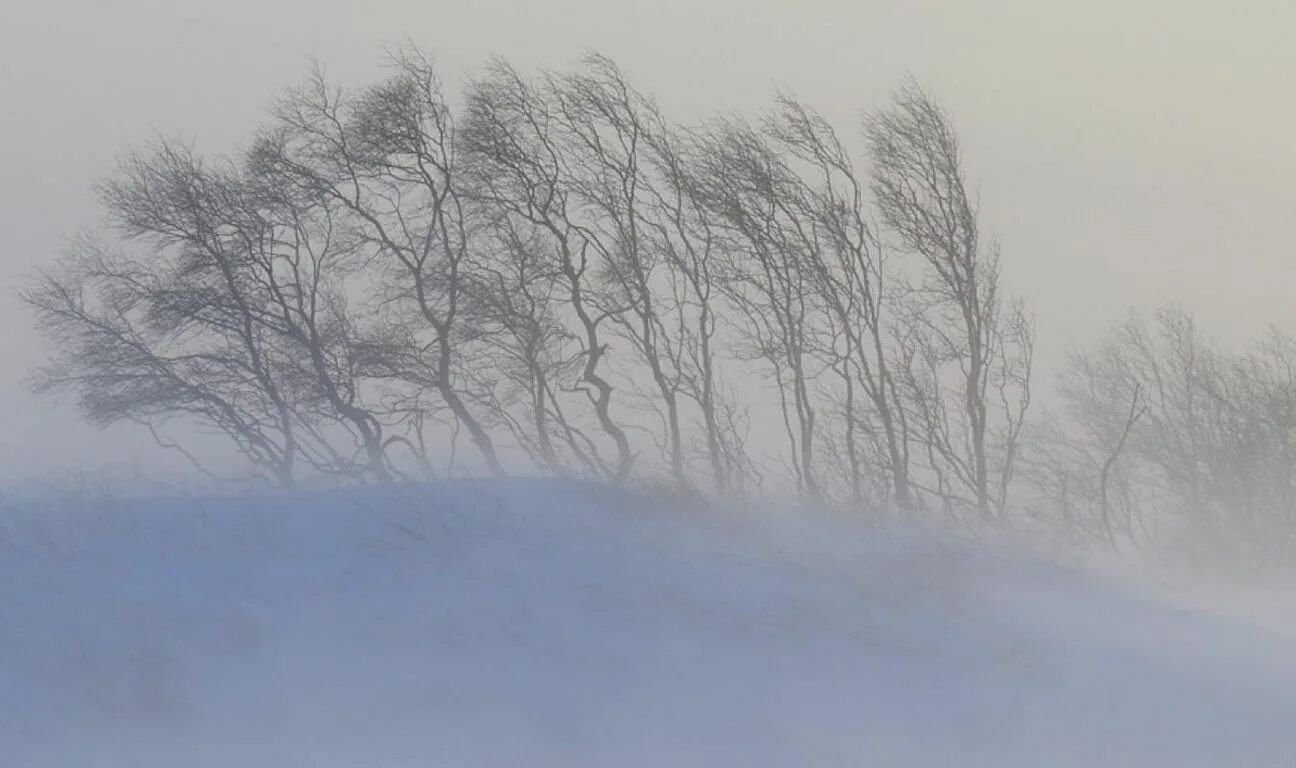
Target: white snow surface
x: 537, y: 623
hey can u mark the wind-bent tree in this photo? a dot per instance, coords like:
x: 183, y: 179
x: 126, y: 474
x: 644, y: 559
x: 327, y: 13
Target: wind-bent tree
x: 517, y: 297
x: 608, y: 129
x: 222, y: 322
x: 844, y: 261
x: 519, y: 147
x: 748, y: 191
x: 681, y: 231
x: 966, y: 358
x: 388, y: 160
x: 121, y: 361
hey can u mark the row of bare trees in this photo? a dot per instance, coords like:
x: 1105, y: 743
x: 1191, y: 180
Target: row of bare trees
x: 551, y: 270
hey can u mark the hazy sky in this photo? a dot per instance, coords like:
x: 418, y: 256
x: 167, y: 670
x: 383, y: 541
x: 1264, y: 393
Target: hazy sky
x: 1127, y: 152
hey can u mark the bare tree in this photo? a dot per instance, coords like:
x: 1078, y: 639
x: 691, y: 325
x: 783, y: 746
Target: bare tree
x: 303, y: 264
x: 388, y: 160
x: 251, y: 274
x: 957, y: 324
x: 610, y: 130
x: 681, y: 230
x: 844, y: 259
x: 747, y: 190
x: 519, y: 148
x: 187, y: 333
x: 1208, y: 431
x: 515, y: 309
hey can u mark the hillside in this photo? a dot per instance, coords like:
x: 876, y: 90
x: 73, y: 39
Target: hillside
x: 533, y: 623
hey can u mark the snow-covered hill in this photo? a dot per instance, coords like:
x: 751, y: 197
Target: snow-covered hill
x: 532, y: 623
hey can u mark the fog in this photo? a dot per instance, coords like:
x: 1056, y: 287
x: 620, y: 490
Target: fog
x: 1125, y: 155
x: 647, y: 383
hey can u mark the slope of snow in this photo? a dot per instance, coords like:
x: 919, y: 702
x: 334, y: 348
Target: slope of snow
x: 531, y: 623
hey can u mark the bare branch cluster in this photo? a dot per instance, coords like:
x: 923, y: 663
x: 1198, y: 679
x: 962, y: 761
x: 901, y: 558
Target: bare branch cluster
x: 1168, y: 436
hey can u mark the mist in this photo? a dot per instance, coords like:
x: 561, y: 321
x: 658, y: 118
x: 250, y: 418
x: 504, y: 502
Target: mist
x: 1121, y: 165
x: 936, y: 362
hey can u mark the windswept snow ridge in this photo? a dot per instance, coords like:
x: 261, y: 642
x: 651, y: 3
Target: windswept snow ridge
x: 533, y: 623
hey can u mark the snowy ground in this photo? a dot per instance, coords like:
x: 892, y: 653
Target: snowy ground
x: 534, y: 624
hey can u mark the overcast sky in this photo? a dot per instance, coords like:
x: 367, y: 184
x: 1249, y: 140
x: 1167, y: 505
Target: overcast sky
x: 1127, y: 152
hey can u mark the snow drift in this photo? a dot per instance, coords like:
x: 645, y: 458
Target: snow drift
x: 531, y: 623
